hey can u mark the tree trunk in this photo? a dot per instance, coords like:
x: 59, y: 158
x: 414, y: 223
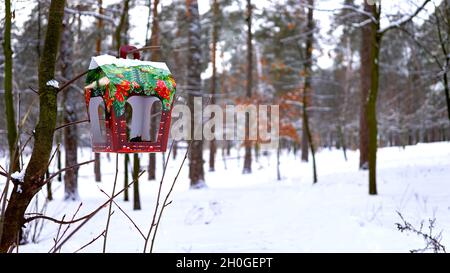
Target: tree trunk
x: 445, y: 49
x: 307, y: 85
x: 196, y: 172
x: 8, y: 85
x: 305, y: 144
x: 278, y: 163
x: 98, y: 49
x: 147, y: 42
x: 98, y: 43
x: 125, y: 180
x: 97, y: 170
x: 33, y: 180
x: 365, y: 70
x: 70, y: 115
x: 212, y: 144
x: 117, y: 43
x: 120, y: 27
x: 136, y: 196
x: 154, y: 42
x: 372, y: 100
x: 49, y: 187
x: 341, y: 138
x: 247, y: 142
x: 174, y: 151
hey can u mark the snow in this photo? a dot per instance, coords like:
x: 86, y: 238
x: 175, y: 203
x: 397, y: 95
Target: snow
x: 18, y: 175
x: 53, y: 83
x: 108, y: 59
x: 257, y: 213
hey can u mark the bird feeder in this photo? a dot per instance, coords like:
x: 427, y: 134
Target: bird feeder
x: 120, y: 94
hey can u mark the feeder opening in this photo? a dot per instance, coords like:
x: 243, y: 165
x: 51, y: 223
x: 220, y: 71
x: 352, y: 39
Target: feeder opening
x: 98, y: 120
x: 142, y: 125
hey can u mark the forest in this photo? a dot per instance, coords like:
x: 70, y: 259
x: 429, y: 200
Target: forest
x: 279, y: 126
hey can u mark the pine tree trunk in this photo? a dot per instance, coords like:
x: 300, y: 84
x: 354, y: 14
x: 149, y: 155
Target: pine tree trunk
x: 8, y: 85
x: 33, y: 180
x: 247, y: 142
x: 278, y: 163
x: 341, y: 138
x: 125, y: 180
x: 136, y: 196
x: 365, y: 70
x: 98, y: 43
x: 305, y: 144
x: 151, y: 165
x: 117, y: 43
x: 98, y: 48
x: 70, y: 115
x: 154, y: 42
x: 97, y: 168
x: 174, y: 151
x: 372, y: 100
x: 445, y: 46
x: 196, y: 172
x: 59, y: 163
x: 49, y: 187
x: 120, y: 27
x: 307, y: 85
x: 212, y: 144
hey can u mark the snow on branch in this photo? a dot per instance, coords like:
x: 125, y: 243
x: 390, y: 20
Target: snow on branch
x: 362, y: 24
x: 404, y: 20
x: 90, y: 13
x: 345, y: 7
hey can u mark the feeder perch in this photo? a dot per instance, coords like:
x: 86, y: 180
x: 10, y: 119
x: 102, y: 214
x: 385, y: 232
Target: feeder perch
x: 120, y: 94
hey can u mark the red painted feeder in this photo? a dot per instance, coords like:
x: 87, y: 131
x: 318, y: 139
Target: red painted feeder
x: 120, y: 96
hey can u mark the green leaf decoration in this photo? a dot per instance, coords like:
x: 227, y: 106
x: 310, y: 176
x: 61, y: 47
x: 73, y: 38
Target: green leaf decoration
x: 112, y: 89
x: 119, y: 107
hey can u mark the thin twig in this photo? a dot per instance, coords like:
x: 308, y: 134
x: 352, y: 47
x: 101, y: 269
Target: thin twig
x: 66, y: 169
x: 165, y: 204
x: 65, y: 85
x: 67, y: 228
x: 71, y: 123
x: 144, y: 48
x: 110, y: 205
x: 50, y: 162
x: 25, y: 144
x: 57, y: 234
x: 32, y: 89
x: 129, y: 218
x: 155, y: 212
x: 92, y: 214
x: 91, y: 242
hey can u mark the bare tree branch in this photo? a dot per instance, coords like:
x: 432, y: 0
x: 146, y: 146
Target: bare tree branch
x: 71, y: 123
x: 91, y: 242
x: 92, y: 214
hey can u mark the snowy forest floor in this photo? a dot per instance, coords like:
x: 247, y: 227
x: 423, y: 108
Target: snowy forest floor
x: 257, y: 213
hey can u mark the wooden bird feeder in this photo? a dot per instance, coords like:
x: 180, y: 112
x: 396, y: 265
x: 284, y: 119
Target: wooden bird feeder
x: 120, y: 95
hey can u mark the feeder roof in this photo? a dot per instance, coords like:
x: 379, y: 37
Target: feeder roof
x: 108, y: 59
x: 117, y: 79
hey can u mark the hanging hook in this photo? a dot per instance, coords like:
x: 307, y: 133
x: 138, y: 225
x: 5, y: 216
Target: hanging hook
x: 127, y: 49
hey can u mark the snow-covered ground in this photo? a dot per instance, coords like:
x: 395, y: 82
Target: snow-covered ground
x: 257, y: 213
